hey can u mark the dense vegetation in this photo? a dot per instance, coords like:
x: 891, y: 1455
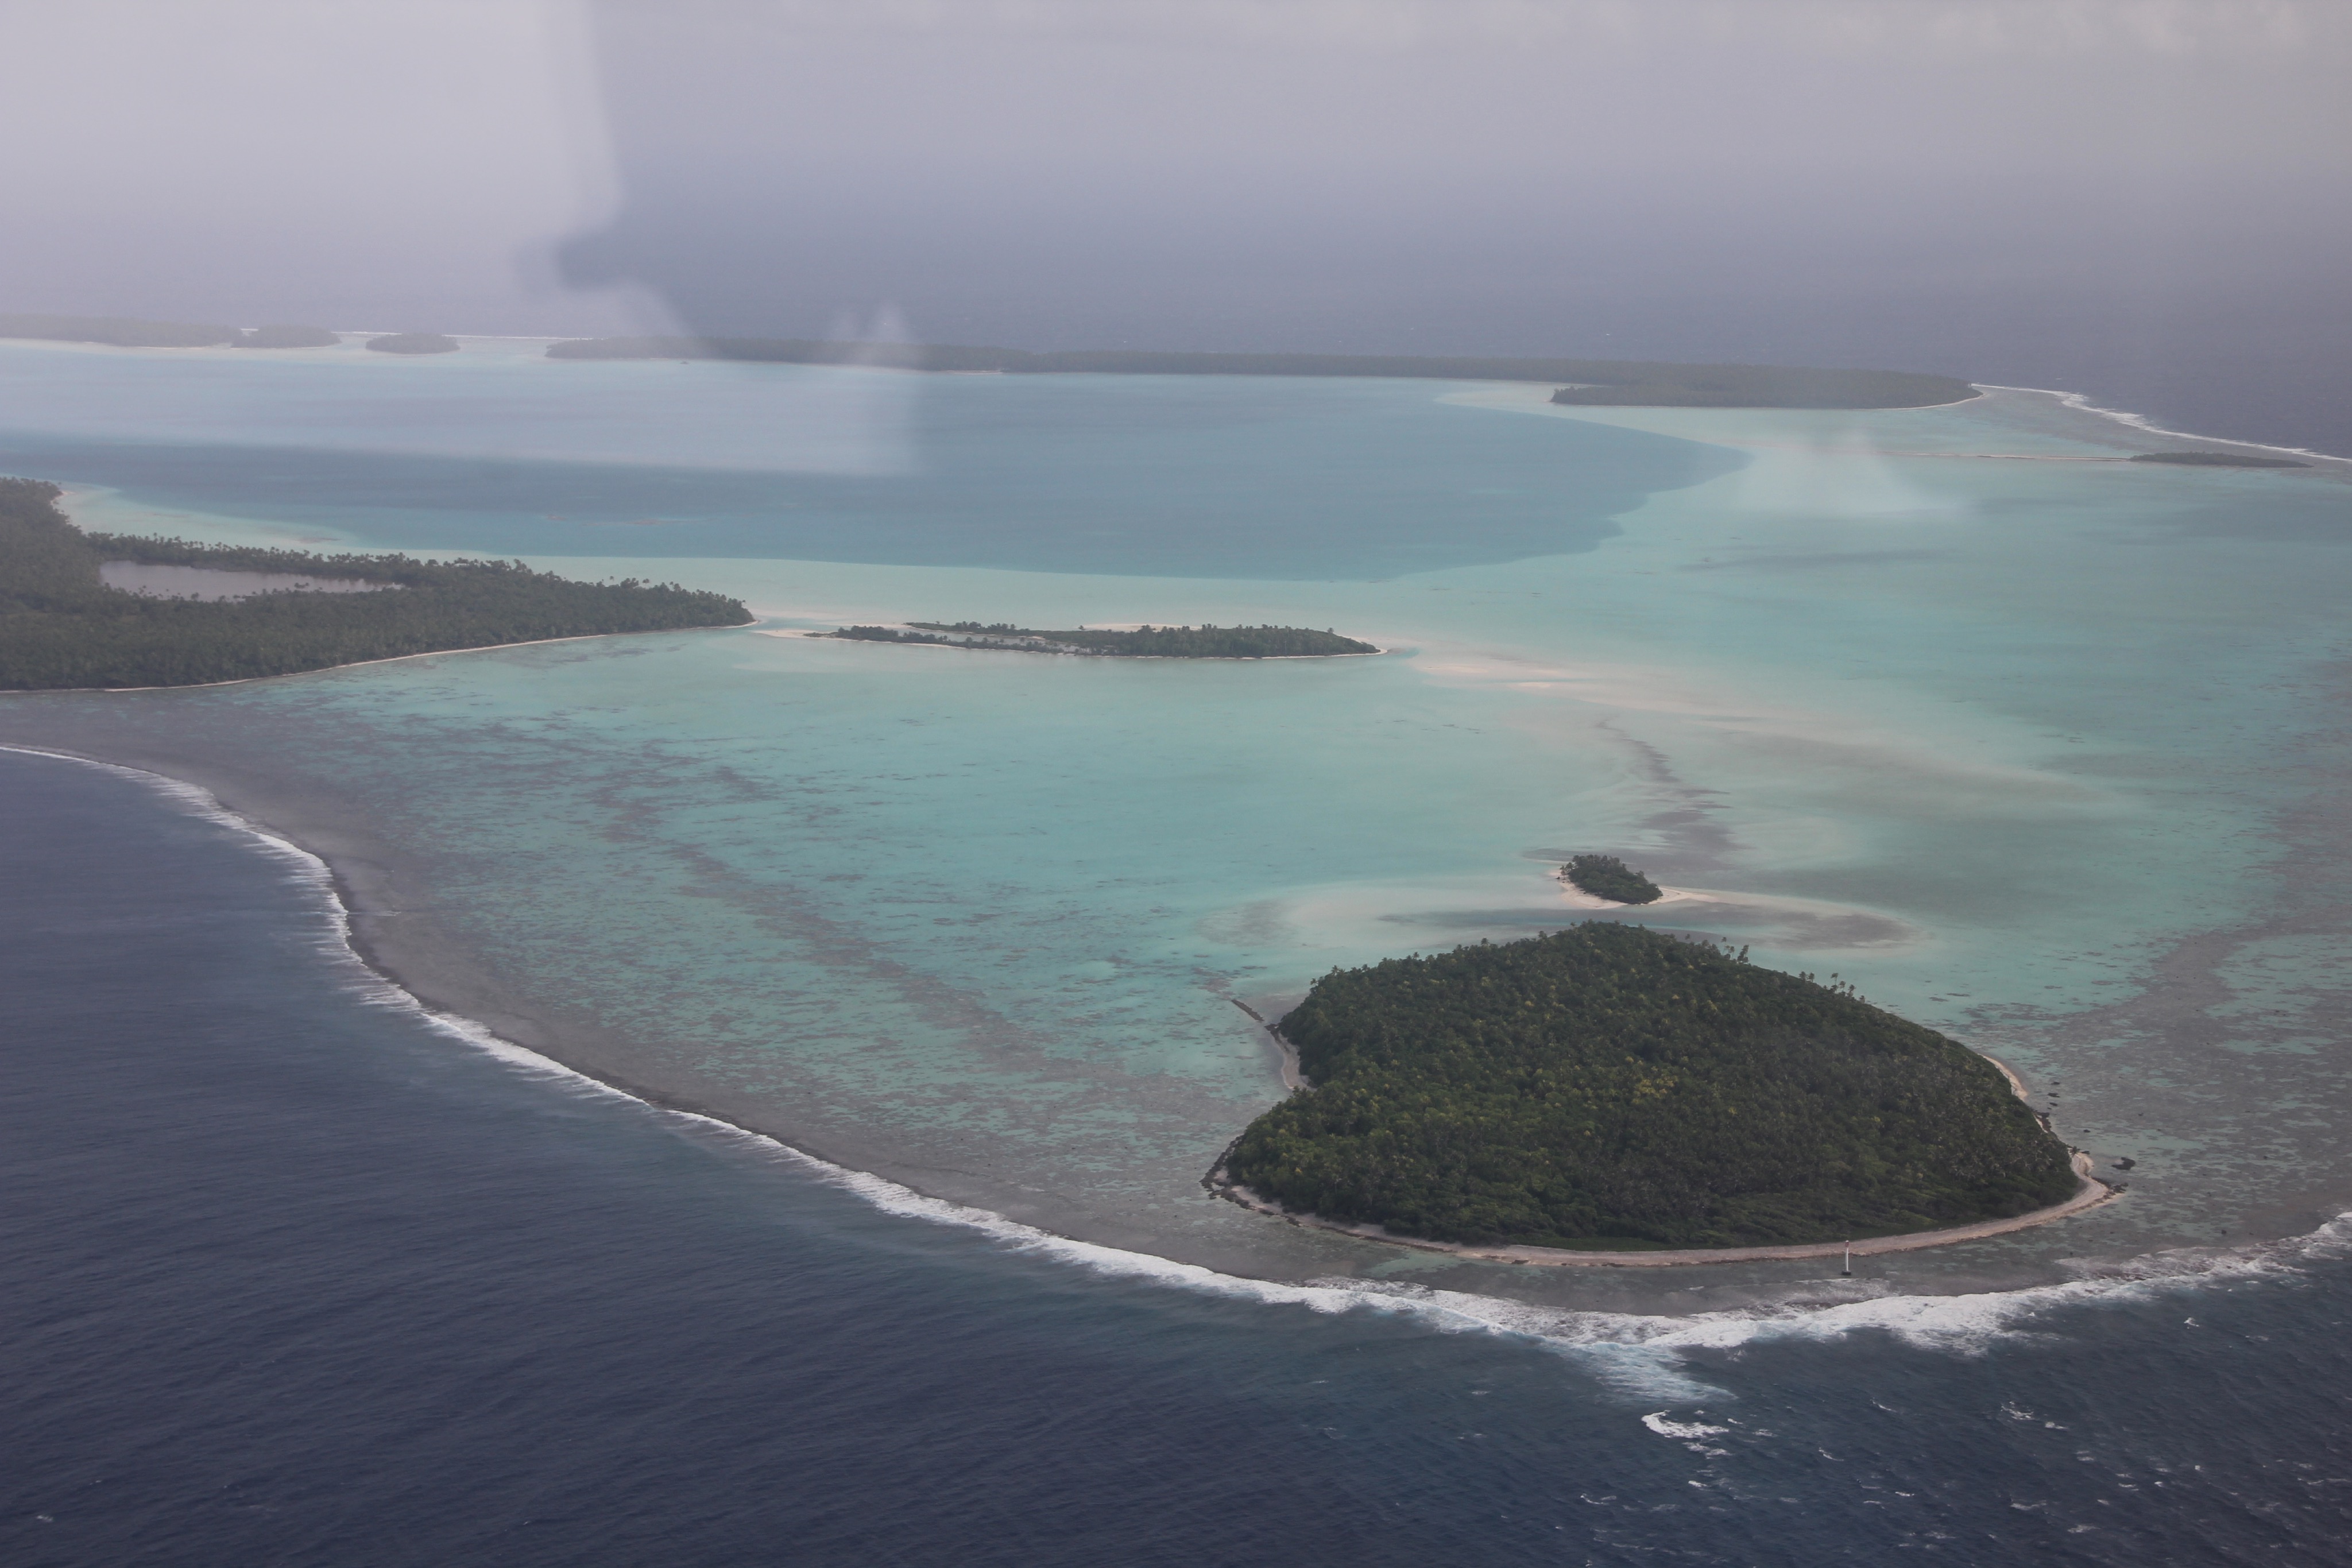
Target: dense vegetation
x: 60, y: 626
x: 123, y: 331
x: 790, y: 351
x: 413, y: 344
x: 1598, y: 382
x: 2218, y: 460
x: 1761, y: 386
x: 1608, y: 1086
x: 284, y: 335
x: 1605, y: 381
x: 1146, y: 642
x: 1606, y: 876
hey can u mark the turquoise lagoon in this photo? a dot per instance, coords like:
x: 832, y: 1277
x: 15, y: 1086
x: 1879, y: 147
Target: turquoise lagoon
x: 2035, y: 745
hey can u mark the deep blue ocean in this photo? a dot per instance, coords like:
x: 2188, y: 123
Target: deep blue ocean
x: 294, y: 1275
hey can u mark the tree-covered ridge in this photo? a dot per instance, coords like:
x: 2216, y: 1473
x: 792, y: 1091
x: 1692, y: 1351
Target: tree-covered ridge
x: 792, y: 351
x: 413, y: 344
x: 1761, y: 386
x: 1602, y: 381
x: 287, y: 335
x: 1595, y: 383
x: 60, y: 626
x: 122, y: 331
x: 1613, y: 1086
x: 1144, y: 642
x: 1606, y: 876
x: 127, y: 333
x: 2218, y: 460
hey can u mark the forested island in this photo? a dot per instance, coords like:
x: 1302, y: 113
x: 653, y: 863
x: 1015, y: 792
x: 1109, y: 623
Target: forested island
x: 1609, y: 1087
x: 1619, y: 383
x: 413, y: 344
x: 1606, y: 876
x: 286, y: 335
x: 1760, y: 386
x: 60, y: 625
x: 120, y: 331
x: 128, y: 332
x: 2217, y: 460
x: 1144, y: 642
x: 1590, y: 383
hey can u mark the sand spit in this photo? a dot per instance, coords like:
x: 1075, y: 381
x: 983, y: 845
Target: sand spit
x: 1575, y: 897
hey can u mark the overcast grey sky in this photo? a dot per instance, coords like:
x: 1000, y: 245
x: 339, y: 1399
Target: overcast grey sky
x: 1954, y: 184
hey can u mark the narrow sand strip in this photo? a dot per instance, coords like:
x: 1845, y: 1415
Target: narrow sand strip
x: 1575, y: 897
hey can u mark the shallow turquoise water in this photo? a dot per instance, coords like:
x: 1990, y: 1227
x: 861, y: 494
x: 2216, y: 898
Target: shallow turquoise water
x: 296, y: 1276
x: 2035, y: 748
x: 499, y: 450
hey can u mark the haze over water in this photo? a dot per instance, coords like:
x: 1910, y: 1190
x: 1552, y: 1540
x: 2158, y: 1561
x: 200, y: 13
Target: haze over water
x: 2041, y: 747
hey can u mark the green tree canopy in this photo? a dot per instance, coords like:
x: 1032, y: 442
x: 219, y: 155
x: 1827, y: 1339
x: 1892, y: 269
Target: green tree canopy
x: 1610, y: 1086
x: 61, y: 626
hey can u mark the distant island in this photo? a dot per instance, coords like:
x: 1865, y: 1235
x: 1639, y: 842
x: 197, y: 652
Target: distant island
x: 1763, y: 386
x: 1592, y: 383
x: 1610, y: 1088
x: 122, y: 331
x: 1599, y: 382
x: 128, y: 332
x: 1606, y: 876
x: 2217, y: 460
x: 413, y: 344
x: 62, y: 627
x: 1144, y: 642
x: 285, y: 336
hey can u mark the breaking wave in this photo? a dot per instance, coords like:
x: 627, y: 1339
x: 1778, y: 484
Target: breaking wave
x: 1639, y: 1356
x: 2140, y: 422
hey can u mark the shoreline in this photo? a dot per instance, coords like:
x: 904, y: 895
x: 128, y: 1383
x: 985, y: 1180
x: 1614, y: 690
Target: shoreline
x: 1575, y: 897
x: 544, y: 1051
x: 2327, y: 462
x: 453, y: 993
x: 355, y: 664
x: 2082, y: 401
x: 1066, y: 654
x: 431, y: 976
x: 347, y: 908
x: 2091, y: 1194
x: 1294, y: 1077
x: 2075, y: 399
x: 2092, y: 1191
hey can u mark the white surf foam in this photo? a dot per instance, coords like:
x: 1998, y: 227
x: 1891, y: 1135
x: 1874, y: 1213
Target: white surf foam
x: 1640, y: 1356
x: 2140, y: 421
